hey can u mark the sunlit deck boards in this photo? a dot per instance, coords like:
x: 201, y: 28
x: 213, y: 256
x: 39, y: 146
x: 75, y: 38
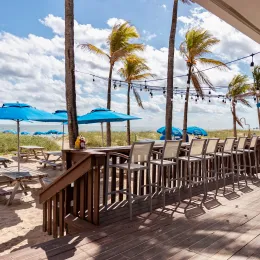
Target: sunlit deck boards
x: 229, y: 230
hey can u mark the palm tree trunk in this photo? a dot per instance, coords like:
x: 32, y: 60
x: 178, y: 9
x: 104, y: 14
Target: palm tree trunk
x: 169, y: 98
x: 186, y: 107
x: 109, y: 103
x: 258, y: 111
x: 234, y: 119
x: 70, y: 72
x: 128, y: 132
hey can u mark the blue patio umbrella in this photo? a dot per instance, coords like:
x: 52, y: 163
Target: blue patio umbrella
x: 23, y: 112
x: 39, y: 133
x: 25, y: 133
x: 64, y: 115
x: 9, y: 132
x: 175, y: 131
x: 102, y: 115
x: 194, y: 130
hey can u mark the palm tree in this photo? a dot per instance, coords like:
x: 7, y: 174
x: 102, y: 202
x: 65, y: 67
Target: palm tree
x: 134, y: 68
x: 256, y: 87
x: 197, y: 43
x: 169, y: 96
x: 119, y: 48
x: 237, y: 91
x: 70, y: 72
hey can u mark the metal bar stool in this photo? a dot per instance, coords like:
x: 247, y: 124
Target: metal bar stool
x: 138, y: 160
x: 226, y: 154
x: 211, y: 173
x: 238, y: 152
x: 252, y: 150
x: 195, y: 155
x: 168, y: 158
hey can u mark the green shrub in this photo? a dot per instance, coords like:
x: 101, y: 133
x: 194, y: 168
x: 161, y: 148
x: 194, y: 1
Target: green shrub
x: 8, y: 142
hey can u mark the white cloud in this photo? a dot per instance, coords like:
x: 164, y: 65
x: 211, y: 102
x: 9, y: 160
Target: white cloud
x: 164, y: 7
x: 32, y: 71
x: 147, y: 36
x: 112, y: 21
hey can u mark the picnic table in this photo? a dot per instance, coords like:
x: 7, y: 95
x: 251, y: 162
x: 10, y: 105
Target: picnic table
x: 4, y: 161
x: 19, y: 178
x: 29, y: 151
x: 54, y: 161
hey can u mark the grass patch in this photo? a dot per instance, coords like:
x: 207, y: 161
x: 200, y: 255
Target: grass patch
x: 94, y: 139
x: 8, y: 142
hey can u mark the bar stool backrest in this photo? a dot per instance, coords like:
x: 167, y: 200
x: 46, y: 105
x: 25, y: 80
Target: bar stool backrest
x: 241, y: 143
x: 229, y: 144
x: 212, y: 145
x: 253, y: 141
x: 171, y: 149
x: 197, y: 147
x: 141, y: 152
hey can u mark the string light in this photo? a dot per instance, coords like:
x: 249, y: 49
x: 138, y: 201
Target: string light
x: 93, y: 78
x: 252, y: 64
x: 115, y: 86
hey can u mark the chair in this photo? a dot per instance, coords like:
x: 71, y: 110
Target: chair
x: 238, y: 152
x: 226, y: 154
x: 138, y: 160
x: 252, y: 149
x: 168, y: 158
x: 195, y: 155
x: 211, y: 173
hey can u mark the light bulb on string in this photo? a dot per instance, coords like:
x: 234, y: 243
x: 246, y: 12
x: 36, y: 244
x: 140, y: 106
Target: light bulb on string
x: 254, y: 98
x: 141, y: 87
x: 93, y: 78
x: 151, y: 93
x: 131, y: 86
x: 209, y: 101
x: 115, y: 86
x: 196, y: 100
x: 252, y: 64
x: 119, y: 84
x: 209, y: 92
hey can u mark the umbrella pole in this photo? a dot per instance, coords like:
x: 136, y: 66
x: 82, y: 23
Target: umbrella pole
x: 102, y: 134
x: 62, y: 136
x: 18, y: 144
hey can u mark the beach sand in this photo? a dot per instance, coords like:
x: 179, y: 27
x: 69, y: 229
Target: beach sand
x: 21, y: 222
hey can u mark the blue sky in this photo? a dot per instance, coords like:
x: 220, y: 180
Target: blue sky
x: 21, y: 17
x: 32, y: 56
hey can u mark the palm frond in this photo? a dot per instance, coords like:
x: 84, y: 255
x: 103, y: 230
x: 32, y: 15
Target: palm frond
x: 207, y: 61
x: 142, y: 76
x: 93, y: 49
x: 236, y: 118
x: 127, y: 50
x: 138, y: 98
x: 197, y: 85
x: 244, y: 102
x: 203, y: 78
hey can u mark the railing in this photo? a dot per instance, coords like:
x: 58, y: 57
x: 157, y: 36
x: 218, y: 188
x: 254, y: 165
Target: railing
x: 80, y: 191
x: 75, y: 192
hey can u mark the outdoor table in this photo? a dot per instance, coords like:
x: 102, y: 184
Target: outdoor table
x: 4, y: 161
x: 18, y: 178
x: 52, y: 162
x: 31, y: 151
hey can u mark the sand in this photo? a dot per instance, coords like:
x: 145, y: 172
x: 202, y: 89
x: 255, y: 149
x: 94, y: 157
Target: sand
x: 21, y: 222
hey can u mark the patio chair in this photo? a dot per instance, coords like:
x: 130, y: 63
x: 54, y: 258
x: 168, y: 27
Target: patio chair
x: 249, y: 151
x: 211, y: 173
x: 239, y: 153
x: 194, y: 175
x: 168, y: 158
x: 225, y: 161
x: 138, y: 160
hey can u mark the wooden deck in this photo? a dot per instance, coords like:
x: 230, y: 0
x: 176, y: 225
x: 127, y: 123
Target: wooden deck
x: 226, y: 228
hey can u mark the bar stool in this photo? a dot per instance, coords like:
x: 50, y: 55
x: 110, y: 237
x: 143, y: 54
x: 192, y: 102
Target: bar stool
x: 226, y: 153
x: 168, y: 158
x: 211, y: 173
x: 238, y: 152
x: 252, y: 150
x: 138, y: 160
x: 194, y: 155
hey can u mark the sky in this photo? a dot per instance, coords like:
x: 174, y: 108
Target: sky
x: 32, y: 58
